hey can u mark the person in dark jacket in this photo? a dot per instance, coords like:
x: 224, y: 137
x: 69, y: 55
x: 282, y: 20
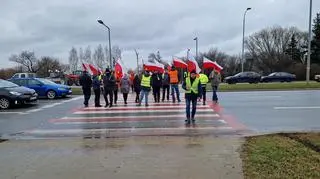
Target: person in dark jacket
x: 116, y: 87
x: 96, y: 84
x: 165, y: 85
x: 156, y: 82
x: 109, y: 83
x: 192, y: 87
x: 86, y: 83
x: 137, y: 87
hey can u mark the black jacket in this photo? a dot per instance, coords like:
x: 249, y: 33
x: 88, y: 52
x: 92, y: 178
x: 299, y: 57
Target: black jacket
x: 137, y: 83
x: 85, y: 81
x: 156, y: 80
x: 109, y: 82
x: 96, y: 82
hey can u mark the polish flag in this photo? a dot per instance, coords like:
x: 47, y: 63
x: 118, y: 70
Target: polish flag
x: 93, y: 69
x: 178, y: 63
x: 193, y: 65
x: 208, y: 64
x: 85, y: 66
x: 118, y: 69
x: 156, y: 66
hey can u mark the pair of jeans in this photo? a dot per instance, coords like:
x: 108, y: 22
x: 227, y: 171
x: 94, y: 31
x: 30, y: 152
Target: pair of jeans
x: 156, y: 93
x: 175, y: 90
x: 204, y: 93
x: 189, y: 100
x: 165, y: 88
x: 125, y: 97
x: 214, y: 93
x: 137, y: 96
x: 97, y: 93
x: 115, y: 96
x: 144, y: 94
x: 110, y: 94
x: 87, y: 95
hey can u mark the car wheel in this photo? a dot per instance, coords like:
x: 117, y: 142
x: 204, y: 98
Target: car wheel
x: 4, y: 103
x: 51, y: 94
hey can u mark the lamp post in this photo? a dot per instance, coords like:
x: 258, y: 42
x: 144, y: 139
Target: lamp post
x: 309, y: 44
x: 243, y: 31
x: 196, y: 39
x: 101, y: 22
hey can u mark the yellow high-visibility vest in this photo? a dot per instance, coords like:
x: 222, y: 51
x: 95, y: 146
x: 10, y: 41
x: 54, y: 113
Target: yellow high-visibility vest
x: 192, y: 87
x: 145, y: 81
x: 204, y: 79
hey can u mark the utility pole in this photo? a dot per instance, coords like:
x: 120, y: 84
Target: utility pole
x: 309, y: 44
x: 243, y: 33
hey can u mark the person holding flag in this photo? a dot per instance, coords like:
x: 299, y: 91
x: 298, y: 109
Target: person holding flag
x: 215, y: 78
x: 203, y: 80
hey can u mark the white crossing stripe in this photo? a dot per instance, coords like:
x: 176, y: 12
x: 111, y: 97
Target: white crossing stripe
x: 297, y: 107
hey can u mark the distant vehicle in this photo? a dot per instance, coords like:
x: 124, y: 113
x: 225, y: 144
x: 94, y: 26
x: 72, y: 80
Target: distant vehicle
x: 44, y: 87
x: 244, y: 77
x: 317, y: 78
x: 279, y: 77
x: 24, y: 75
x: 12, y: 94
x: 74, y: 78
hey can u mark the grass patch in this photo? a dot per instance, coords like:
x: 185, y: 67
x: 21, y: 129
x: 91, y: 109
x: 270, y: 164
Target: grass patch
x: 282, y: 156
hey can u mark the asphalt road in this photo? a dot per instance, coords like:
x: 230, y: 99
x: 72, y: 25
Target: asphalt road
x: 238, y: 113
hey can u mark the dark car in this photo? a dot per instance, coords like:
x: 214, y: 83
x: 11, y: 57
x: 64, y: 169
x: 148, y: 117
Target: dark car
x: 244, y: 77
x: 44, y: 87
x: 12, y: 94
x: 279, y: 77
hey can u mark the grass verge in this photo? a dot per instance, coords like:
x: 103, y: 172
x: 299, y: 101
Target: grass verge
x: 282, y: 156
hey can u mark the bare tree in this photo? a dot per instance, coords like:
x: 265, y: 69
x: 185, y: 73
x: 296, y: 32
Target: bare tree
x: 98, y: 57
x: 267, y: 48
x: 87, y: 55
x: 47, y: 65
x: 116, y: 52
x: 27, y: 59
x: 73, y: 59
x: 81, y: 55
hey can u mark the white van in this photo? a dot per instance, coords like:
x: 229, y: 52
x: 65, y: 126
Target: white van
x: 24, y: 75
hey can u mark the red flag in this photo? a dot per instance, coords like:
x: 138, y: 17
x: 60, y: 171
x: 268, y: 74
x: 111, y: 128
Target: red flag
x: 85, y: 67
x: 207, y: 64
x: 118, y: 69
x: 94, y: 70
x: 178, y: 63
x: 193, y: 65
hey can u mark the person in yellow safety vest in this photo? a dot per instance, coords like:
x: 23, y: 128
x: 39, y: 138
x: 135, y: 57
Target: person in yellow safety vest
x: 203, y: 80
x: 192, y: 87
x: 185, y: 74
x: 145, y: 87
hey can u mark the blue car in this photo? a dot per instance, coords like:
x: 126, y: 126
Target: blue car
x: 44, y: 87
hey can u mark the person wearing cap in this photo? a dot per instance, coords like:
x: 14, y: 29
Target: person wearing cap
x: 86, y: 83
x: 174, y: 81
x: 215, y: 78
x: 109, y: 83
x: 145, y: 87
x: 203, y: 80
x: 192, y: 87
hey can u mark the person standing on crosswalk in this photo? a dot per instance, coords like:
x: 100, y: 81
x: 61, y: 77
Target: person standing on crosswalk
x: 156, y: 82
x: 125, y: 87
x: 203, y: 80
x: 145, y: 87
x: 165, y: 85
x: 96, y: 84
x: 137, y: 86
x: 192, y: 87
x: 215, y: 78
x: 86, y: 83
x: 109, y: 83
x: 174, y: 83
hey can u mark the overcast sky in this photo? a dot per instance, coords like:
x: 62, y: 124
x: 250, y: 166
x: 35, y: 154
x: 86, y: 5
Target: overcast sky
x: 52, y: 28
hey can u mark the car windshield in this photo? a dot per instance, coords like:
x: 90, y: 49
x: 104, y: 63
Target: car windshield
x: 7, y: 84
x: 45, y: 81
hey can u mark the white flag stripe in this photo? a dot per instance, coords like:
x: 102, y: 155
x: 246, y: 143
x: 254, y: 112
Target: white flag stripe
x: 140, y: 111
x: 140, y: 117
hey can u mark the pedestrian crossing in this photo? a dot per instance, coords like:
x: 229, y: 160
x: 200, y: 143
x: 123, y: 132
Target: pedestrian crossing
x: 164, y: 118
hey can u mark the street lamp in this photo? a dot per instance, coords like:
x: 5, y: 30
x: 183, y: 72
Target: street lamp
x: 196, y: 39
x: 101, y: 22
x: 309, y: 44
x: 243, y: 31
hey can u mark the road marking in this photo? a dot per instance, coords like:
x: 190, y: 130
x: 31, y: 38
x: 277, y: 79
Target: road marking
x: 11, y: 112
x: 140, y: 117
x: 296, y: 107
x: 139, y: 111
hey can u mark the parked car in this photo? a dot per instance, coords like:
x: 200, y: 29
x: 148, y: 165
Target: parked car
x: 244, y: 77
x: 279, y: 77
x: 24, y: 75
x: 44, y: 87
x: 12, y: 94
x: 317, y: 78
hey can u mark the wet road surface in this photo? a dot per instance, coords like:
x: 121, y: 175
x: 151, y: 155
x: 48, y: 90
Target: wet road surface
x: 238, y: 113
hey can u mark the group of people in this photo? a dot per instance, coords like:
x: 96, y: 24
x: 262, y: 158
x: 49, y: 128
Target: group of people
x: 109, y: 84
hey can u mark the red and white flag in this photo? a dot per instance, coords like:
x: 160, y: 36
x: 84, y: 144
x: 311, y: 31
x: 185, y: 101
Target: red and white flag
x: 153, y: 66
x: 178, y: 63
x: 118, y: 68
x: 193, y: 65
x: 208, y: 64
x: 90, y: 68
